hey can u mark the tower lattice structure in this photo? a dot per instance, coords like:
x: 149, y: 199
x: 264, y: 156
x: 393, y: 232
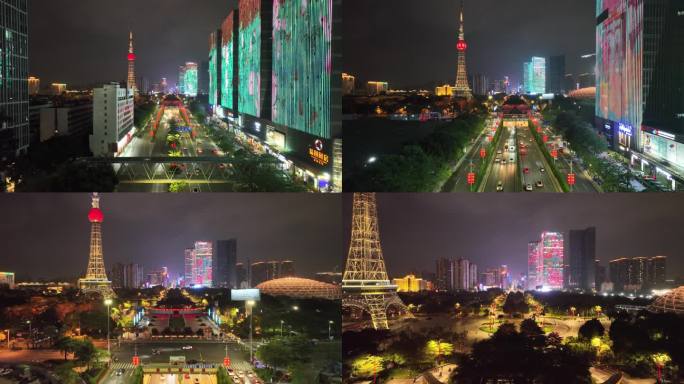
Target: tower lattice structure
x: 95, y: 279
x: 365, y: 284
x: 462, y: 88
x: 131, y: 84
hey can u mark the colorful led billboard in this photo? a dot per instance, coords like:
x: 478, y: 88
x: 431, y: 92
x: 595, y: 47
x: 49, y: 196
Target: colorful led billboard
x: 302, y: 65
x: 213, y: 65
x: 551, y: 252
x: 619, y: 69
x: 190, y: 79
x: 249, y: 76
x: 228, y: 64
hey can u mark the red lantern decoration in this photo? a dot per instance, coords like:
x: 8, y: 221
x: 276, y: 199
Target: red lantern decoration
x: 554, y: 154
x: 571, y: 179
x: 483, y: 153
x: 226, y: 361
x: 545, y: 138
x: 538, y: 129
x: 136, y: 361
x: 489, y: 138
x: 471, y: 178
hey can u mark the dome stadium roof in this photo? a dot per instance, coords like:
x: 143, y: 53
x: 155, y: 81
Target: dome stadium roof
x: 298, y: 287
x: 672, y: 302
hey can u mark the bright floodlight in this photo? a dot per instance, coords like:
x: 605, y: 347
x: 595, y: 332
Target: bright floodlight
x: 372, y: 159
x: 108, y: 302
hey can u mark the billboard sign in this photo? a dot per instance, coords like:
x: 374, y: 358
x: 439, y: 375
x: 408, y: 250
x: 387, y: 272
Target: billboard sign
x: 245, y: 294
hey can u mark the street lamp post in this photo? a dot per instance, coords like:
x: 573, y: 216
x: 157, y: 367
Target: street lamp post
x: 330, y: 323
x: 249, y: 304
x: 30, y: 334
x: 108, y: 303
x: 281, y: 327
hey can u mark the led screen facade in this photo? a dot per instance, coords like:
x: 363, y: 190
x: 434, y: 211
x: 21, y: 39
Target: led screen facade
x: 190, y: 80
x: 228, y: 64
x: 249, y: 76
x: 301, y: 81
x: 213, y: 65
x: 619, y: 67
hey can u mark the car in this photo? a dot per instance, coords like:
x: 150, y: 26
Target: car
x: 542, y: 169
x: 199, y: 151
x: 498, y: 152
x: 528, y: 187
x: 499, y: 186
x: 497, y: 160
x: 526, y: 170
x: 186, y: 347
x: 511, y: 159
x: 539, y: 184
x: 119, y: 371
x: 503, y: 161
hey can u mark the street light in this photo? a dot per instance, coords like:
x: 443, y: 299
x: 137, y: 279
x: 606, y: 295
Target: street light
x: 295, y: 307
x: 281, y: 327
x: 249, y: 304
x: 30, y: 334
x: 330, y: 323
x: 108, y: 303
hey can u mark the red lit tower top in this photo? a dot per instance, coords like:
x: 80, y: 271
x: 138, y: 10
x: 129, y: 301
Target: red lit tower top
x: 461, y: 46
x: 95, y: 215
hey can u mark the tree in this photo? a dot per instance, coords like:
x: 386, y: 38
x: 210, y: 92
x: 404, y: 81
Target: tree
x: 222, y: 376
x: 66, y: 345
x: 66, y: 374
x: 84, y: 176
x: 592, y: 328
x: 367, y: 366
x: 84, y: 352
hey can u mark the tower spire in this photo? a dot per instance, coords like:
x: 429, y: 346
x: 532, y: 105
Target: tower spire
x: 95, y: 279
x: 461, y: 33
x: 130, y: 83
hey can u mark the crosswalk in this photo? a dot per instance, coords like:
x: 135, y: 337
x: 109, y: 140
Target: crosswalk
x: 122, y: 366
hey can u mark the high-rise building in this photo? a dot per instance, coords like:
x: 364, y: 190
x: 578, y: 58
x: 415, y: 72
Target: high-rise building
x: 639, y: 56
x: 67, y: 119
x: 241, y: 276
x: 95, y: 279
x: 215, y: 68
x: 34, y: 85
x: 472, y: 280
x: 462, y: 274
x: 127, y: 275
x: 144, y: 85
x: 498, y: 86
x: 582, y: 259
x: 601, y: 275
x: 569, y: 83
x: 375, y: 88
x: 14, y: 94
x: 637, y: 274
x: 189, y: 262
x: 202, y: 272
x: 534, y: 265
x: 555, y: 75
x: 479, y: 84
x: 130, y: 80
x: 158, y: 277
x: 348, y: 84
x: 113, y: 129
x: 443, y: 274
x: 187, y: 79
x: 163, y: 86
x: 203, y: 78
x: 461, y: 89
x: 225, y: 260
x: 534, y: 75
x: 551, y: 252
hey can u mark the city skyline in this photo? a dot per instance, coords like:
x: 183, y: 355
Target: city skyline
x: 137, y: 229
x: 529, y: 28
x: 414, y: 234
x: 91, y: 44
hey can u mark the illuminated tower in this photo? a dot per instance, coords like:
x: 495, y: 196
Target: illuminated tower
x: 462, y: 88
x: 365, y: 284
x: 95, y: 279
x: 131, y: 65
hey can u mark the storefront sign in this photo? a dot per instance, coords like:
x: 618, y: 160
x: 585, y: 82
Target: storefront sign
x: 317, y: 155
x: 626, y: 129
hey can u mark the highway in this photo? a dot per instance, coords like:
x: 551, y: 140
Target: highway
x: 504, y: 170
x: 144, y: 146
x: 459, y: 180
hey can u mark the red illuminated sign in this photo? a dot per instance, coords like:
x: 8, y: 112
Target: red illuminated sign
x: 226, y: 361
x: 571, y: 179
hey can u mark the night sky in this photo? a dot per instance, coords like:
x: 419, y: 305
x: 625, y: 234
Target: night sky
x: 494, y: 229
x: 83, y: 42
x: 412, y: 43
x: 47, y: 235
